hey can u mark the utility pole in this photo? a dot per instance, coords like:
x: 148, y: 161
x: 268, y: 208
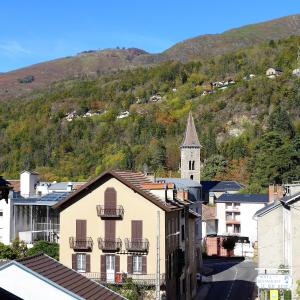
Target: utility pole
x: 157, y: 283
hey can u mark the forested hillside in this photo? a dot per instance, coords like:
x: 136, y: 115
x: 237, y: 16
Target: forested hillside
x: 249, y: 128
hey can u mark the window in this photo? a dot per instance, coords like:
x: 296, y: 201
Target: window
x: 137, y: 264
x: 182, y: 232
x: 193, y: 165
x: 190, y: 165
x: 192, y: 177
x: 81, y: 262
x: 1, y: 213
x: 236, y: 228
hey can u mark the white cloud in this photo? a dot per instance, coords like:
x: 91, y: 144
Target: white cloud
x: 13, y: 48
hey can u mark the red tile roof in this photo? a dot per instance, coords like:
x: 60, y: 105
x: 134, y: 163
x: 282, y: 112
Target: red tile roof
x: 68, y: 278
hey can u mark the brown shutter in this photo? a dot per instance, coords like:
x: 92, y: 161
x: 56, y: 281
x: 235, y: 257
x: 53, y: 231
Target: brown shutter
x: 129, y: 264
x: 110, y: 198
x: 81, y: 229
x: 110, y: 229
x: 74, y: 262
x: 117, y: 262
x: 103, y: 267
x: 144, y: 264
x: 88, y: 263
x: 136, y: 229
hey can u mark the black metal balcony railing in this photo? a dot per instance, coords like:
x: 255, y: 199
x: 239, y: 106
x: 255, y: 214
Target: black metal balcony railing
x: 111, y: 245
x: 81, y: 244
x: 110, y: 213
x: 137, y: 245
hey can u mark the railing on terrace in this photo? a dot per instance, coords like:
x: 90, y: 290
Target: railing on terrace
x: 81, y: 244
x: 137, y: 245
x: 110, y: 213
x: 110, y: 245
x: 140, y: 279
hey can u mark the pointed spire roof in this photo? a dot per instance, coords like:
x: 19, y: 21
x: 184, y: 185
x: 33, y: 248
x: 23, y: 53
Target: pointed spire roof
x: 190, y: 137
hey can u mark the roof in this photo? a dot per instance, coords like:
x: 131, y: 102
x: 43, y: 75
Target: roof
x: 64, y: 185
x: 66, y: 278
x: 48, y: 200
x: 15, y: 184
x: 180, y: 183
x: 190, y: 137
x: 289, y: 199
x: 267, y: 208
x: 220, y: 186
x: 134, y: 180
x: 244, y: 198
x: 286, y: 200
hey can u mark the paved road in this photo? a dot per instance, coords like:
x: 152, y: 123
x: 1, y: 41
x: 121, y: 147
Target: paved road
x: 232, y: 280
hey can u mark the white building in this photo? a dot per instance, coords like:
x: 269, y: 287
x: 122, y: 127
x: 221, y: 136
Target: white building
x: 28, y: 213
x: 235, y: 217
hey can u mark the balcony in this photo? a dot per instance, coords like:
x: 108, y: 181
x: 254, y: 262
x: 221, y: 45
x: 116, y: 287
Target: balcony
x: 232, y: 221
x: 110, y: 213
x: 110, y: 245
x: 137, y: 245
x: 81, y: 244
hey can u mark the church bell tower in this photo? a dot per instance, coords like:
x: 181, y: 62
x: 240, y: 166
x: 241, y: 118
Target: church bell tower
x: 190, y: 152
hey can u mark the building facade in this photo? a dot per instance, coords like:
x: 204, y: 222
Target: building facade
x: 109, y: 227
x: 279, y: 234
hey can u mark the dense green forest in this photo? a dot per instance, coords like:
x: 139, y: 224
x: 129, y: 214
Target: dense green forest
x: 250, y: 131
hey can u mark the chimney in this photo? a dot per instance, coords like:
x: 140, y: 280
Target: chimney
x: 69, y: 187
x: 276, y: 192
x: 28, y: 182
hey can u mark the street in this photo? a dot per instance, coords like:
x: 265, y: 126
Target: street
x: 232, y: 279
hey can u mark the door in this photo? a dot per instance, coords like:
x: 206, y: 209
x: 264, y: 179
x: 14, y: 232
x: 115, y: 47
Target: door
x: 110, y: 268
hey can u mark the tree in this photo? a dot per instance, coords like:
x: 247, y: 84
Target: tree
x: 229, y: 243
x: 280, y: 121
x: 214, y: 166
x: 51, y: 249
x: 273, y: 160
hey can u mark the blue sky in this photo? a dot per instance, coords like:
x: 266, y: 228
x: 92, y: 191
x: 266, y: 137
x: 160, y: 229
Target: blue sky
x: 33, y: 31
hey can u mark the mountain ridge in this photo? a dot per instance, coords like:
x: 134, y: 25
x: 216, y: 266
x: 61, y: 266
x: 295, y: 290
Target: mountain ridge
x: 96, y: 62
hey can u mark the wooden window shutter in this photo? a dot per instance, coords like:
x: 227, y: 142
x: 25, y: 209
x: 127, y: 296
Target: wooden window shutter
x: 129, y: 264
x: 103, y: 267
x: 144, y: 264
x: 110, y: 198
x: 74, y: 262
x: 117, y: 262
x: 88, y: 263
x: 81, y: 229
x: 136, y: 229
x: 110, y: 229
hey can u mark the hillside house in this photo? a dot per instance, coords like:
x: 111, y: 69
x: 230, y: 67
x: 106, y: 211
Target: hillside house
x: 273, y: 72
x: 109, y: 227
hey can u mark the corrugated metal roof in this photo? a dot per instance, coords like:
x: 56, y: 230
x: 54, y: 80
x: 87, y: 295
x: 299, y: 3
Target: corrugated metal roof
x: 68, y: 278
x: 244, y: 198
x: 220, y: 186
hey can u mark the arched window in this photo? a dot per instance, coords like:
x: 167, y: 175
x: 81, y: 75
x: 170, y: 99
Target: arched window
x: 193, y: 165
x: 190, y: 165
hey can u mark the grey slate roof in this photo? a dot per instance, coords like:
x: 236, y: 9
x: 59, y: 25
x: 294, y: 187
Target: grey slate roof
x: 190, y: 137
x: 244, y: 198
x: 220, y: 186
x: 180, y: 182
x: 288, y: 199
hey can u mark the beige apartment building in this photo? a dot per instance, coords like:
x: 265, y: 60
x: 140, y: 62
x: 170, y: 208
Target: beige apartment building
x: 109, y: 226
